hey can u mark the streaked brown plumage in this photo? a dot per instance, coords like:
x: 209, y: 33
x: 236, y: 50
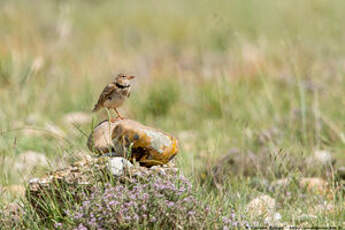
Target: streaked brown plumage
x: 115, y: 93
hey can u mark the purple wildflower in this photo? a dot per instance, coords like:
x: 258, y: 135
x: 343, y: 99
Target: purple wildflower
x: 146, y: 203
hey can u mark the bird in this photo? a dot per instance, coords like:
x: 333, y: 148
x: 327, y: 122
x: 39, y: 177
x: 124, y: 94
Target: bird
x: 115, y: 94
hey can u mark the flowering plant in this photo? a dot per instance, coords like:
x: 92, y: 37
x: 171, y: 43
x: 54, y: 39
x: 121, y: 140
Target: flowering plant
x: 158, y: 201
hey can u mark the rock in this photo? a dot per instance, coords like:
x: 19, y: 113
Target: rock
x: 323, y: 157
x: 74, y: 179
x: 321, y: 160
x: 30, y: 159
x: 311, y: 184
x: 132, y: 140
x: 262, y: 206
x: 314, y: 184
x: 116, y: 165
x: 100, y: 140
x: 77, y: 117
x: 83, y: 176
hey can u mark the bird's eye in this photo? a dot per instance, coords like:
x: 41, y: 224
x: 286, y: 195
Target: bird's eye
x: 123, y: 76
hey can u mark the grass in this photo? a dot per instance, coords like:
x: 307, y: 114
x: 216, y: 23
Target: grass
x: 264, y: 77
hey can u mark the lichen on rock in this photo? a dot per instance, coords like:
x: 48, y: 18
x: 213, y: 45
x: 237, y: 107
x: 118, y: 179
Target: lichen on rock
x: 131, y: 139
x: 117, y: 143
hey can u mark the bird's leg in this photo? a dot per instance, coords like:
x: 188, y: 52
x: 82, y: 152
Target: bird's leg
x: 118, y: 114
x: 110, y: 115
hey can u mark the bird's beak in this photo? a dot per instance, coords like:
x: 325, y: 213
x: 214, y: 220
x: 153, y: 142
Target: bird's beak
x: 131, y: 77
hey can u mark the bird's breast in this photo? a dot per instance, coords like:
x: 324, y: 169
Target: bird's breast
x: 125, y: 92
x: 115, y: 100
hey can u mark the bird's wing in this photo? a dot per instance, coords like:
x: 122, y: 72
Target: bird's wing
x: 107, y: 91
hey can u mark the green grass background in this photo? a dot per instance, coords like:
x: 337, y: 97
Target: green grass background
x: 217, y: 74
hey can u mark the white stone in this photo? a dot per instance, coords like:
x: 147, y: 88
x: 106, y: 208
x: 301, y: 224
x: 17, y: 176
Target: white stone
x: 314, y: 184
x: 34, y: 180
x: 323, y: 156
x: 116, y: 165
x: 262, y: 206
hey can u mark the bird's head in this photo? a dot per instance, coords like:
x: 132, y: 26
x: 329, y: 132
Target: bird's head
x: 123, y: 80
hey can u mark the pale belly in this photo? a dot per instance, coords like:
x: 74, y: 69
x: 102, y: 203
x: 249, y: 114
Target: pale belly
x: 116, y: 101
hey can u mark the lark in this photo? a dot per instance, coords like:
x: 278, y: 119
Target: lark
x: 115, y: 94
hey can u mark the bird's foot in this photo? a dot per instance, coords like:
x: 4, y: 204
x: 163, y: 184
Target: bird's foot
x: 113, y: 119
x: 120, y: 117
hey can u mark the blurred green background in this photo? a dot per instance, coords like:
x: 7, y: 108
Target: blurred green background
x: 263, y: 77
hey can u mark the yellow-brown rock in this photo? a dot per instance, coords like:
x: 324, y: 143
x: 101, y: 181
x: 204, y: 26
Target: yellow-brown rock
x: 132, y: 140
x: 315, y: 184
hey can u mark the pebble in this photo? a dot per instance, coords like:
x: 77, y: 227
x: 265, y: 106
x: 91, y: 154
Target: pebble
x: 261, y: 206
x: 323, y: 156
x: 116, y: 165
